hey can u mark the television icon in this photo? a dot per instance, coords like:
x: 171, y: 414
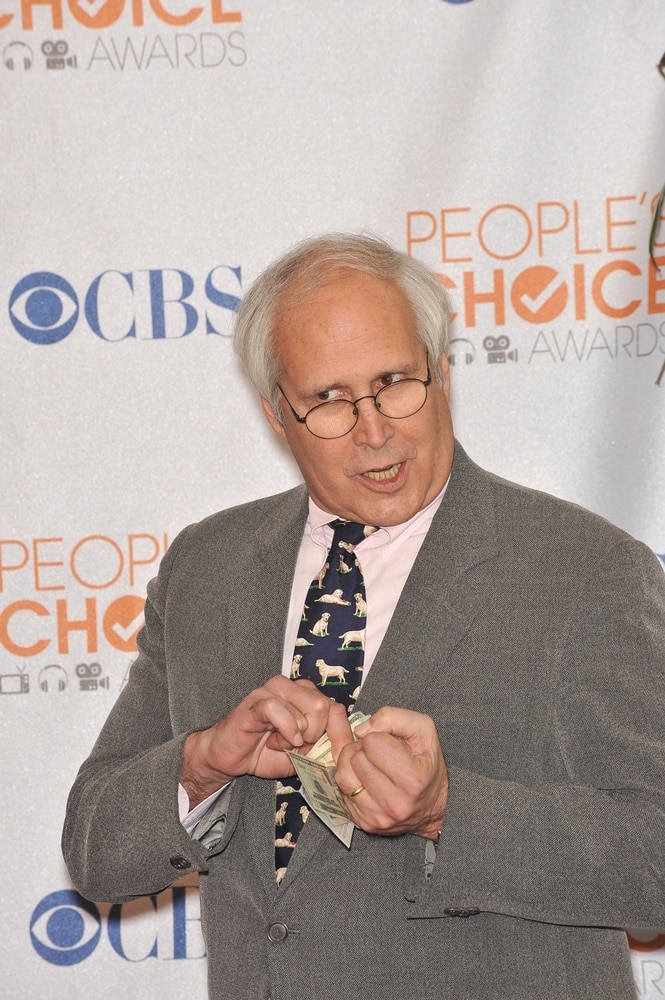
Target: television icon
x: 18, y: 683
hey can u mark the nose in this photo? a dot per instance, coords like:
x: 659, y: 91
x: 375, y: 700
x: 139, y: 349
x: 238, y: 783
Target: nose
x: 372, y: 429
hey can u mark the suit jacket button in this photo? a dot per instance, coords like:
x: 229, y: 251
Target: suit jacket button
x: 177, y: 861
x: 278, y: 932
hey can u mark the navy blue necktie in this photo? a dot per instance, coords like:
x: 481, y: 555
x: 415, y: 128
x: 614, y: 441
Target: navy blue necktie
x: 329, y: 651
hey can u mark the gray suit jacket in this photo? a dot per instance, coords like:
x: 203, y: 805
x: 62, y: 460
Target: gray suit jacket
x: 533, y: 633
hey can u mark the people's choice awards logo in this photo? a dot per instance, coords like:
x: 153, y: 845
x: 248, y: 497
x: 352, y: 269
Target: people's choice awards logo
x: 53, y: 602
x: 566, y: 281
x: 96, y: 14
x: 132, y: 45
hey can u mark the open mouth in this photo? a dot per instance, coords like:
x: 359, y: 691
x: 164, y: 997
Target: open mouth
x: 379, y: 475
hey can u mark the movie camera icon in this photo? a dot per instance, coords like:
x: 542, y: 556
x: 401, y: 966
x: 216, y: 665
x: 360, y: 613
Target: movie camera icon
x: 89, y: 675
x: 56, y: 55
x: 497, y: 350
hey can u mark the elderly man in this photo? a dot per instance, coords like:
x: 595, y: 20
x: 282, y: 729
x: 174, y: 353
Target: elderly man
x: 508, y: 788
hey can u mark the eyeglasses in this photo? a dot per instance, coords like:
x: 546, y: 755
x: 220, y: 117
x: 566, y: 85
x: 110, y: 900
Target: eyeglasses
x: 337, y: 417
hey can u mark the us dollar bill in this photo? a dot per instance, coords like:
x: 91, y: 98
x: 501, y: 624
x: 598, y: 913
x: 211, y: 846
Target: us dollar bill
x: 316, y: 770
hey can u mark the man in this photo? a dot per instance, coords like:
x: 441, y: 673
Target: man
x: 508, y: 790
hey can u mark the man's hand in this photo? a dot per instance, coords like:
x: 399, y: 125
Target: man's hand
x: 397, y: 760
x: 281, y: 715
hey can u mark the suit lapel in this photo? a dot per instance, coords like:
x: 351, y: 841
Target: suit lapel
x: 442, y: 596
x: 259, y: 607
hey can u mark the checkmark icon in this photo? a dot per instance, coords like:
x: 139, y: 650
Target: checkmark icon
x: 122, y: 620
x: 97, y: 13
x: 538, y: 294
x: 126, y: 632
x: 94, y: 6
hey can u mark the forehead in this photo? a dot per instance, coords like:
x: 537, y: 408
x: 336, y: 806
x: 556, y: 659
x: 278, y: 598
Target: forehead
x: 349, y: 313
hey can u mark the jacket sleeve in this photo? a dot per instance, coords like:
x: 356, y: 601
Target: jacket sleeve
x: 589, y: 848
x: 122, y: 835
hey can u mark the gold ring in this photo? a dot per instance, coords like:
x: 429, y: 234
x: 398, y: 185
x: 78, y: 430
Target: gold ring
x: 359, y: 789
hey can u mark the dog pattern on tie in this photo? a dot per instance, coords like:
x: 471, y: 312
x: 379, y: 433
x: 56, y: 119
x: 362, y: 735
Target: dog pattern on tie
x: 329, y: 651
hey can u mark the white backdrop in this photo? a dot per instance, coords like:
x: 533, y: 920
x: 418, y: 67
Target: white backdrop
x: 156, y: 155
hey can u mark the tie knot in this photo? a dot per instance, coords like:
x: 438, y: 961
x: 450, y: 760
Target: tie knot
x: 350, y: 532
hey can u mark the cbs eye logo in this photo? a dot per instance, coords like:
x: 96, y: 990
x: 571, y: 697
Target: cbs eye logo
x: 43, y: 308
x: 65, y: 928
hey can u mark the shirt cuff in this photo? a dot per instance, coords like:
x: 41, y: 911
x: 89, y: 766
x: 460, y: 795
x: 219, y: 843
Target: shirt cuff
x: 190, y: 817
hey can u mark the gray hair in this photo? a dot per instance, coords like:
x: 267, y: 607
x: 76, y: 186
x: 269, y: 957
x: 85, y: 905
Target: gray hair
x: 294, y: 277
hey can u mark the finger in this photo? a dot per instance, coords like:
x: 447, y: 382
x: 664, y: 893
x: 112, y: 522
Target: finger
x: 338, y: 728
x: 371, y: 770
x: 407, y: 788
x: 308, y: 702
x: 346, y: 776
x: 387, y: 769
x: 284, y: 702
x: 414, y: 728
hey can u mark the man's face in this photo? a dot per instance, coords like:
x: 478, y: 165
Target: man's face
x: 353, y: 336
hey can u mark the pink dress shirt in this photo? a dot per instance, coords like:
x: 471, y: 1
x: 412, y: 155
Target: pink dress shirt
x: 386, y: 558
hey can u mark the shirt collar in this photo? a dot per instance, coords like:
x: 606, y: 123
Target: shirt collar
x: 318, y: 520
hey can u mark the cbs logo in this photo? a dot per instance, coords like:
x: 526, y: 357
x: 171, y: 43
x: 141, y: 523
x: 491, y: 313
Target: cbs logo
x: 44, y: 308
x: 65, y: 928
x: 151, y: 304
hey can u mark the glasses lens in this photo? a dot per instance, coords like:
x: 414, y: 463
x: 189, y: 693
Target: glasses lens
x: 333, y: 419
x: 402, y: 399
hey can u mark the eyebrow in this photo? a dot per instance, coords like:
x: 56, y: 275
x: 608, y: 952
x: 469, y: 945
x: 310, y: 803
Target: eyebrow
x: 408, y: 369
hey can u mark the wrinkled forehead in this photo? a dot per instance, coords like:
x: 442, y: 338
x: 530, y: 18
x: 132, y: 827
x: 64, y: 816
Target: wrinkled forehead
x: 309, y: 282
x: 353, y: 318
x: 332, y: 283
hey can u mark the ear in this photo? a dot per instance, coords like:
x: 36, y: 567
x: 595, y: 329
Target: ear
x: 273, y: 419
x: 444, y: 367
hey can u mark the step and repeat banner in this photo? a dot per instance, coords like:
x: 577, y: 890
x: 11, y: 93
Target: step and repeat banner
x: 156, y: 155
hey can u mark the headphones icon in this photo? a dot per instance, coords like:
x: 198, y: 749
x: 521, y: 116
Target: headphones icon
x: 17, y: 55
x: 461, y: 349
x: 52, y: 678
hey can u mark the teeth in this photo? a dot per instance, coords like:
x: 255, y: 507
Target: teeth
x: 384, y: 473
